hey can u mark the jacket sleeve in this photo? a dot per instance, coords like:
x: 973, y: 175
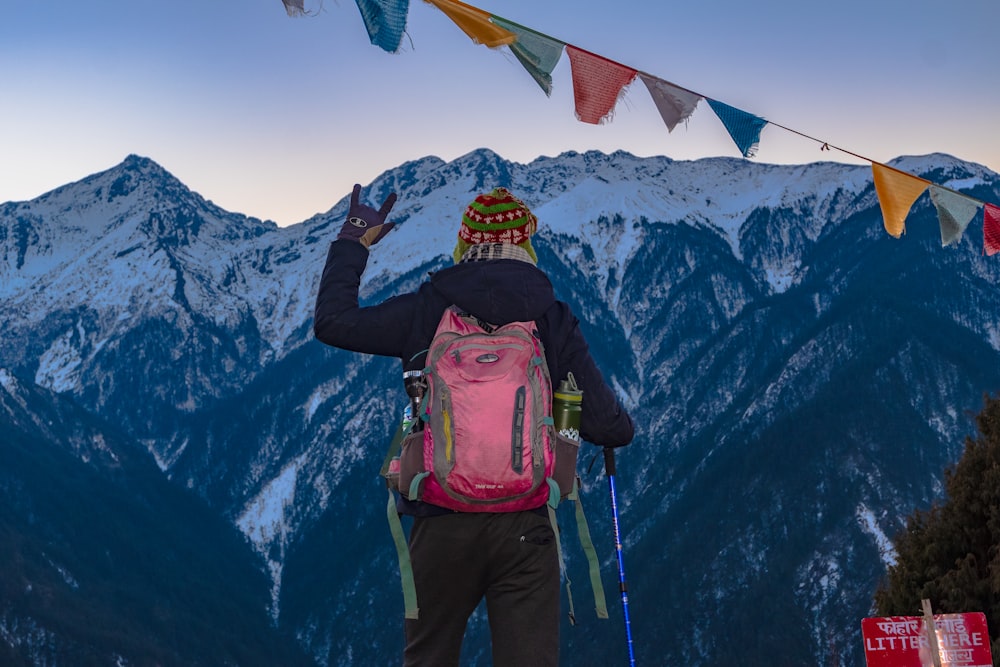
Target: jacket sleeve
x: 339, y: 321
x: 604, y: 421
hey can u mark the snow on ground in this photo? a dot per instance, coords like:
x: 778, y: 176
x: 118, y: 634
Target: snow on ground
x: 868, y: 523
x: 265, y: 522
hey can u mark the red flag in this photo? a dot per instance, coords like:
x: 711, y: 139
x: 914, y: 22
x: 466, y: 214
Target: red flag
x: 991, y: 229
x: 597, y: 84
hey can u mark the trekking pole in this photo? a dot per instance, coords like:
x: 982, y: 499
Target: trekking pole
x: 609, y: 468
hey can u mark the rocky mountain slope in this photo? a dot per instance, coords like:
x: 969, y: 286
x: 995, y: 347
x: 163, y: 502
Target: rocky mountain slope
x: 799, y: 380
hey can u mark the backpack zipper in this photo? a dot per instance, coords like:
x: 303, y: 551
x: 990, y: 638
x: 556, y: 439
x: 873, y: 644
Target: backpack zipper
x: 517, y: 432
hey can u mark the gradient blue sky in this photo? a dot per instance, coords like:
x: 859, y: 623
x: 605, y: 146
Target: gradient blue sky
x: 277, y: 117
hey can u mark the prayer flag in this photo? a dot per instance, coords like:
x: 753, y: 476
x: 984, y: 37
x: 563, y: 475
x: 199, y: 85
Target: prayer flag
x: 385, y: 21
x: 896, y: 191
x: 597, y: 84
x: 743, y: 127
x: 991, y: 229
x: 674, y: 104
x: 955, y: 212
x: 538, y: 53
x: 475, y: 23
x: 294, y: 7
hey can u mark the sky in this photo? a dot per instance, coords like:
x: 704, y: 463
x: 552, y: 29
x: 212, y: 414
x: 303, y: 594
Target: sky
x: 277, y: 117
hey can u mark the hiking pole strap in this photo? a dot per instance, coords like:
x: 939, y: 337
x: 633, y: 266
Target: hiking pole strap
x: 403, y: 554
x: 583, y: 531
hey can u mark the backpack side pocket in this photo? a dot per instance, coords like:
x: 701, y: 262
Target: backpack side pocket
x: 411, y: 461
x: 566, y: 452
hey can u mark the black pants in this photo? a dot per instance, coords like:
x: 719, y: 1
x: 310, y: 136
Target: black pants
x: 511, y: 559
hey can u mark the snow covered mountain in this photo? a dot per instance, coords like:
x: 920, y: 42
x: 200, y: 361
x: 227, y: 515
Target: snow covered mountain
x: 799, y: 379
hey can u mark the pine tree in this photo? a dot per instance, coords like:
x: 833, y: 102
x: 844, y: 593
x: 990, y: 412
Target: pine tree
x: 950, y: 554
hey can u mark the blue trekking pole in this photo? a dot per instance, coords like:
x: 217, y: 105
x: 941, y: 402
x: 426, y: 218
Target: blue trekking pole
x: 609, y: 468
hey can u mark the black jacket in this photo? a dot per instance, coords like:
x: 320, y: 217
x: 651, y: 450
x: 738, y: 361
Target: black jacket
x: 497, y: 291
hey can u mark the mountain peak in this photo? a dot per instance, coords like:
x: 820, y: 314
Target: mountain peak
x: 146, y: 168
x: 944, y: 169
x: 134, y: 161
x: 136, y: 172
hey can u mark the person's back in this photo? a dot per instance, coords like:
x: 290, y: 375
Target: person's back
x: 458, y: 558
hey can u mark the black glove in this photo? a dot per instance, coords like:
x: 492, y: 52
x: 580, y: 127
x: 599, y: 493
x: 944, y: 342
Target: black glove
x: 364, y: 224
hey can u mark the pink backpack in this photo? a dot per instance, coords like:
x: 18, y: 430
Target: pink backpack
x: 489, y: 442
x: 487, y: 412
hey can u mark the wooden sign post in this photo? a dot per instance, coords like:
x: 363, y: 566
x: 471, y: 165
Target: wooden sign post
x: 931, y: 630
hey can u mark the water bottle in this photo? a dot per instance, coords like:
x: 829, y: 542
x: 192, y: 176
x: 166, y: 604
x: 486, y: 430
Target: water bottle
x: 415, y: 385
x: 567, y: 403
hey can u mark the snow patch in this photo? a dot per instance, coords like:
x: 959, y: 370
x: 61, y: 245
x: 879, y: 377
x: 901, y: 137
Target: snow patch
x: 780, y: 278
x: 818, y: 581
x: 266, y: 523
x: 866, y: 518
x: 964, y: 183
x: 7, y: 381
x: 68, y: 578
x: 993, y: 335
x: 59, y: 365
x: 263, y: 519
x: 164, y: 463
x: 321, y: 394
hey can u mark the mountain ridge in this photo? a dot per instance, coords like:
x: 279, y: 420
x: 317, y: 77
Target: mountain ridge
x: 769, y: 337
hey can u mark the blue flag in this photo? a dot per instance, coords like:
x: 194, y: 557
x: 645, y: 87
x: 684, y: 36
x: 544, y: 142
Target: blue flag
x: 743, y: 127
x: 385, y: 21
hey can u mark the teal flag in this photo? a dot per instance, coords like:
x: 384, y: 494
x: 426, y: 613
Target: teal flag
x: 743, y: 127
x: 385, y: 21
x: 538, y: 53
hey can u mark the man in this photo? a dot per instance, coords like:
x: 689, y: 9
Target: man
x: 458, y: 558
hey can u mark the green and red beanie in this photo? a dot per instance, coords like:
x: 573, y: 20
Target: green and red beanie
x: 496, y: 217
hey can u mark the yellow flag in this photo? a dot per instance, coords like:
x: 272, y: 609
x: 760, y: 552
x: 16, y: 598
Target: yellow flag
x: 475, y: 23
x: 896, y: 192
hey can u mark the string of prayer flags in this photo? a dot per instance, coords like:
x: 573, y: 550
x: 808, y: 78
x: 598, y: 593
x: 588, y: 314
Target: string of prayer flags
x: 294, y: 7
x: 597, y: 84
x: 955, y: 212
x: 385, y: 21
x: 896, y: 191
x: 991, y: 229
x: 538, y: 53
x: 675, y: 104
x: 743, y: 127
x: 475, y: 23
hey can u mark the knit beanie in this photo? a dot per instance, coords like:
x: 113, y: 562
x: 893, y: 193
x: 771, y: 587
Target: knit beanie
x: 496, y: 217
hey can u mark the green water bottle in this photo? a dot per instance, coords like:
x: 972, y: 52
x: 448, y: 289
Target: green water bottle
x: 567, y: 402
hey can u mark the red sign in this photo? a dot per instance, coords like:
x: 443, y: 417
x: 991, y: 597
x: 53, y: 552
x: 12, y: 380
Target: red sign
x: 901, y: 641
